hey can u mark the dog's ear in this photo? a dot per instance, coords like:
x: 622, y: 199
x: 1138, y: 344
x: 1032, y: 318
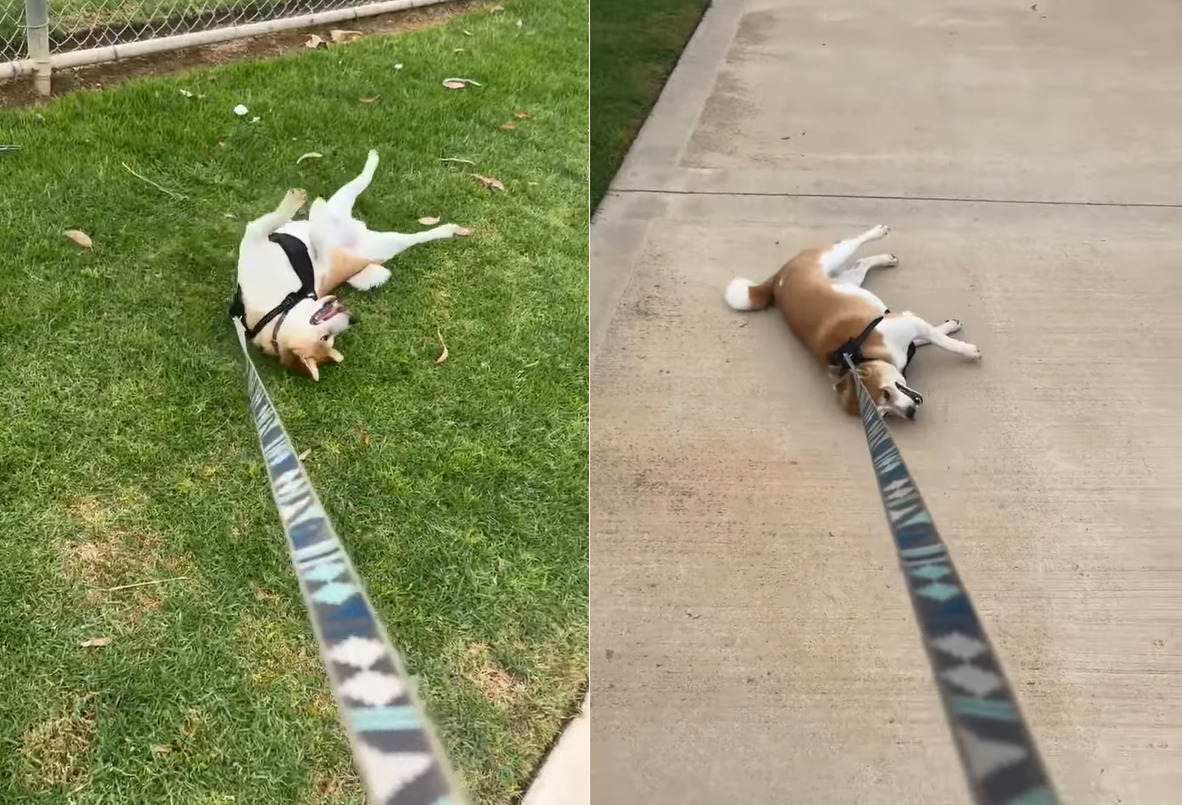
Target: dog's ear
x: 847, y: 394
x: 308, y: 361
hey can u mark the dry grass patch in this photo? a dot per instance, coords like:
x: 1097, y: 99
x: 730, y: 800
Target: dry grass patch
x: 111, y: 549
x: 56, y: 752
x: 496, y: 684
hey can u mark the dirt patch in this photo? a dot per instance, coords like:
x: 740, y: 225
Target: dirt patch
x: 494, y: 683
x: 55, y: 752
x: 113, y: 549
x: 20, y: 91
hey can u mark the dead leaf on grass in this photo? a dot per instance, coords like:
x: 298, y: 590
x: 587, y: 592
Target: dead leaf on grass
x: 492, y: 184
x: 509, y: 127
x: 460, y: 83
x: 496, y: 9
x: 162, y: 749
x: 467, y: 33
x: 340, y: 36
x: 457, y: 50
x: 443, y: 355
x: 314, y: 41
x: 429, y: 221
x: 309, y: 155
x: 522, y: 115
x: 96, y: 642
x: 81, y: 238
x: 186, y: 93
x: 457, y: 159
x: 374, y: 99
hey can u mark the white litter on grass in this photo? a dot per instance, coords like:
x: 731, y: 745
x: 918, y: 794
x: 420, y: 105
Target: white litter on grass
x: 398, y: 66
x: 241, y: 110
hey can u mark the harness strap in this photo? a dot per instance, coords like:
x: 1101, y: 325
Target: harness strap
x: 301, y: 262
x: 852, y: 349
x: 997, y: 750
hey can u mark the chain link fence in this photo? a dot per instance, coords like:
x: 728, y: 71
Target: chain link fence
x: 85, y: 24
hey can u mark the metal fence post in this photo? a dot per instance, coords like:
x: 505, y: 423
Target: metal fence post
x: 37, y: 32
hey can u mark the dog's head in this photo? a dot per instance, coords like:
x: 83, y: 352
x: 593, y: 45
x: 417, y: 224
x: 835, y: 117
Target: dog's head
x: 307, y: 334
x: 887, y: 387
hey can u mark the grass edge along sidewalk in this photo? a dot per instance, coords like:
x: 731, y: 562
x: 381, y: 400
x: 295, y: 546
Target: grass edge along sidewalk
x: 634, y: 48
x: 460, y: 487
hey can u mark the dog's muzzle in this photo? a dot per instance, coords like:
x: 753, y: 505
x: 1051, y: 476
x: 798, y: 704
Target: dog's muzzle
x: 330, y: 309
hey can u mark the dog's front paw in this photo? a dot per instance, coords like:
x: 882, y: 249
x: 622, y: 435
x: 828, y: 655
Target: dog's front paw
x: 880, y: 231
x: 951, y: 326
x: 456, y: 231
x: 294, y: 200
x: 971, y: 352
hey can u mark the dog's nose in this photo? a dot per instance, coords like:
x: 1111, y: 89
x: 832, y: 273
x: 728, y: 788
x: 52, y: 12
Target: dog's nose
x: 911, y: 413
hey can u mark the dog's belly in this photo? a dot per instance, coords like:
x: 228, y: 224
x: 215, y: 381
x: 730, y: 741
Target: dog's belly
x: 861, y: 293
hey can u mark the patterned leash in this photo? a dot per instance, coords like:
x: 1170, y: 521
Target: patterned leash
x: 996, y: 748
x: 394, y: 747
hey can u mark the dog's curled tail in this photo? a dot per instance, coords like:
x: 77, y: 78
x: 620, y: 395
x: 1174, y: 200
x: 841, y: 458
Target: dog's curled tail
x: 743, y: 294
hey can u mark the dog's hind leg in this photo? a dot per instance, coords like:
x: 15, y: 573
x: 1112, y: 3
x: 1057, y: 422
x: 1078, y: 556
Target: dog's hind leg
x: 343, y: 200
x: 263, y: 226
x: 835, y: 259
x: 856, y: 274
x: 381, y: 246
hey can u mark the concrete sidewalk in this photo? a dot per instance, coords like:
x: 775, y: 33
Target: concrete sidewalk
x: 751, y: 638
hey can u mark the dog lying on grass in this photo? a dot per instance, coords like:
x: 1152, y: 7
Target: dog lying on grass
x: 288, y: 270
x: 820, y: 293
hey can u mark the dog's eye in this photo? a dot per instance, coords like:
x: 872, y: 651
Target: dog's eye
x: 326, y: 337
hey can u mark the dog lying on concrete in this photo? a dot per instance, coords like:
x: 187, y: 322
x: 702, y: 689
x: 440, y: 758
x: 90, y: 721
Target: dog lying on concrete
x: 820, y: 293
x: 287, y: 271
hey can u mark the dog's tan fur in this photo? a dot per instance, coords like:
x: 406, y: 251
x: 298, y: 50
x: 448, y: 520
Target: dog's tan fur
x: 823, y: 319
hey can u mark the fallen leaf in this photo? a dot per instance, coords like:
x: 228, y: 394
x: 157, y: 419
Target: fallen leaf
x: 96, y: 642
x: 496, y: 9
x: 81, y: 238
x: 398, y: 66
x: 255, y: 119
x: 519, y: 23
x: 457, y: 50
x: 309, y: 155
x: 186, y: 93
x: 522, y: 115
x: 337, y: 35
x: 241, y: 110
x: 492, y: 184
x: 509, y: 127
x: 459, y: 83
x: 467, y: 33
x: 374, y: 99
x: 230, y: 215
x: 162, y: 749
x: 314, y: 41
x: 457, y: 159
x: 443, y: 355
x: 428, y: 221
x: 304, y: 455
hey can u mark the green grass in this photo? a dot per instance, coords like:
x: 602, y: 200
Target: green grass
x: 634, y: 47
x: 128, y: 454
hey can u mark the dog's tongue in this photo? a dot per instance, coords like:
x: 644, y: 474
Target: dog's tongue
x: 329, y: 309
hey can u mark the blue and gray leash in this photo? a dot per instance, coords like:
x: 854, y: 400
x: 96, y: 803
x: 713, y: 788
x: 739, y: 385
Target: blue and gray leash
x: 996, y: 748
x: 395, y: 749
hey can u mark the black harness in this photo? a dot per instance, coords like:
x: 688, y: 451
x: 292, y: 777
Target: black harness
x: 853, y: 349
x: 301, y: 263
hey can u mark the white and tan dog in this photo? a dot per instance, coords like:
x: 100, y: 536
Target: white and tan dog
x: 820, y: 293
x: 287, y: 271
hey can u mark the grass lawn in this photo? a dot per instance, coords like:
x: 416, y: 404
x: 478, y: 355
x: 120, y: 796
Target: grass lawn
x: 634, y: 47
x: 460, y: 489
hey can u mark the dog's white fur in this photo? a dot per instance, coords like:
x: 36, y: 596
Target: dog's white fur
x: 342, y: 248
x: 821, y: 296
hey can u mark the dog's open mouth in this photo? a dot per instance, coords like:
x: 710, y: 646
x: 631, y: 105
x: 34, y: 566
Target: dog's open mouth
x: 330, y: 308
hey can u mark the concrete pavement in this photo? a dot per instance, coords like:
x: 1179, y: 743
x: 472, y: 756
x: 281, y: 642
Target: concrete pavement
x: 751, y: 638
